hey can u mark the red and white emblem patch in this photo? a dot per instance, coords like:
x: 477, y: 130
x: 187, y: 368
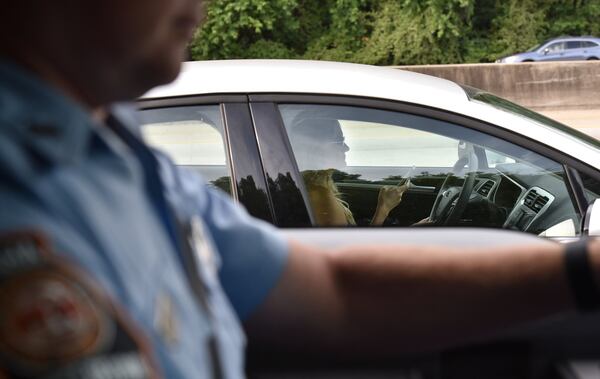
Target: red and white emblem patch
x: 55, y: 321
x: 46, y: 317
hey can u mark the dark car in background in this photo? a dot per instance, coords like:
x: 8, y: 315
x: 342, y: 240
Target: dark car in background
x: 559, y: 49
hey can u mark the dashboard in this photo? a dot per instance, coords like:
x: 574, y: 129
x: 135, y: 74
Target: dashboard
x: 529, y: 201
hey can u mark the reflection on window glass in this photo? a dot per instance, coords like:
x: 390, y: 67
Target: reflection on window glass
x: 365, y: 166
x: 192, y: 137
x: 369, y: 145
x: 189, y: 143
x: 494, y: 158
x: 592, y: 187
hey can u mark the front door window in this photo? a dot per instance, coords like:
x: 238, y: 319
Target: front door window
x: 357, y: 162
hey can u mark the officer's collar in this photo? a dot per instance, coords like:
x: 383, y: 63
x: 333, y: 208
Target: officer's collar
x: 41, y: 117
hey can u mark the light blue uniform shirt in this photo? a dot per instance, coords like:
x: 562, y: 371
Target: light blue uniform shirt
x: 80, y: 185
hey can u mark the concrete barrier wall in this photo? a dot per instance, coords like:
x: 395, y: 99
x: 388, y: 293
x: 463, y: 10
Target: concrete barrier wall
x: 543, y: 86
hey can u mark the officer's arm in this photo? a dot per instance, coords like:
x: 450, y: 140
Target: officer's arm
x: 408, y: 298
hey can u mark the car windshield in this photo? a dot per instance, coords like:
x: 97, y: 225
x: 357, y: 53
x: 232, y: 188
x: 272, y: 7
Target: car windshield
x: 535, y: 47
x: 505, y: 105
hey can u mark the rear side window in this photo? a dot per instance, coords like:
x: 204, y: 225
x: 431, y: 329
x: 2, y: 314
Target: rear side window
x: 588, y: 44
x: 573, y: 45
x: 193, y: 137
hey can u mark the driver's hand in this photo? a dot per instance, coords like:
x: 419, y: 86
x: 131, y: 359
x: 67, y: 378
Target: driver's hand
x: 390, y: 197
x: 425, y: 221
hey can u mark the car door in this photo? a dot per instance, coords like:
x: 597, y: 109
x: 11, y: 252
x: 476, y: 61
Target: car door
x: 574, y: 50
x: 591, y: 50
x: 356, y: 147
x: 554, y: 349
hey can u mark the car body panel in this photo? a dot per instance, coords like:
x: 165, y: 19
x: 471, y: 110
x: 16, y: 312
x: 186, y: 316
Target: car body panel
x: 311, y: 77
x: 450, y: 237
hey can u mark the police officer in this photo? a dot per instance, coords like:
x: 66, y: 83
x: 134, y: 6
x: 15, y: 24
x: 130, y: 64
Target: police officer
x: 115, y: 263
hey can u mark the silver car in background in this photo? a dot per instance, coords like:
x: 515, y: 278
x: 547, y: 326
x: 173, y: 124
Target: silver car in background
x: 559, y: 49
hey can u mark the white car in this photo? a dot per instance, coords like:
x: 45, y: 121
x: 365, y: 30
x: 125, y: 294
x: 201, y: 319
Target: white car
x: 276, y: 135
x: 275, y: 127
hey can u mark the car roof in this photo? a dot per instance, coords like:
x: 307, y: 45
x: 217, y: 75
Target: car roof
x: 315, y: 77
x: 348, y: 79
x: 572, y: 38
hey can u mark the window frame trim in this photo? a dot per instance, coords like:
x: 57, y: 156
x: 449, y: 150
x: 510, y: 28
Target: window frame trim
x: 233, y: 136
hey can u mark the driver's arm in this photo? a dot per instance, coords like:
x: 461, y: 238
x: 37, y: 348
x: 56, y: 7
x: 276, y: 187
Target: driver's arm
x: 389, y: 197
x: 409, y: 298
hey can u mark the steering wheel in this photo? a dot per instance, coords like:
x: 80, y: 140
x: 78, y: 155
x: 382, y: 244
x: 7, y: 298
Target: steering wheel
x: 453, y: 197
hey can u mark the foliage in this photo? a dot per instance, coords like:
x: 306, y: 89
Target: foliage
x: 232, y: 26
x: 517, y: 27
x: 345, y: 32
x: 417, y: 32
x: 576, y: 17
x: 266, y: 49
x: 388, y: 32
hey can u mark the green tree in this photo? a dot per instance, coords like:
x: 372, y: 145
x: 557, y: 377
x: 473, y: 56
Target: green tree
x: 418, y: 32
x: 388, y: 32
x: 518, y: 27
x: 577, y: 17
x: 233, y: 26
x: 345, y: 33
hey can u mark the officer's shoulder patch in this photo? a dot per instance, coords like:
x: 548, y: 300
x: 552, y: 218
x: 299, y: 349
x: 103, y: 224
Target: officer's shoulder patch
x: 56, y: 322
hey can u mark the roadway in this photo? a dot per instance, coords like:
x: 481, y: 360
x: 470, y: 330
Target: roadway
x: 564, y: 91
x: 586, y: 120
